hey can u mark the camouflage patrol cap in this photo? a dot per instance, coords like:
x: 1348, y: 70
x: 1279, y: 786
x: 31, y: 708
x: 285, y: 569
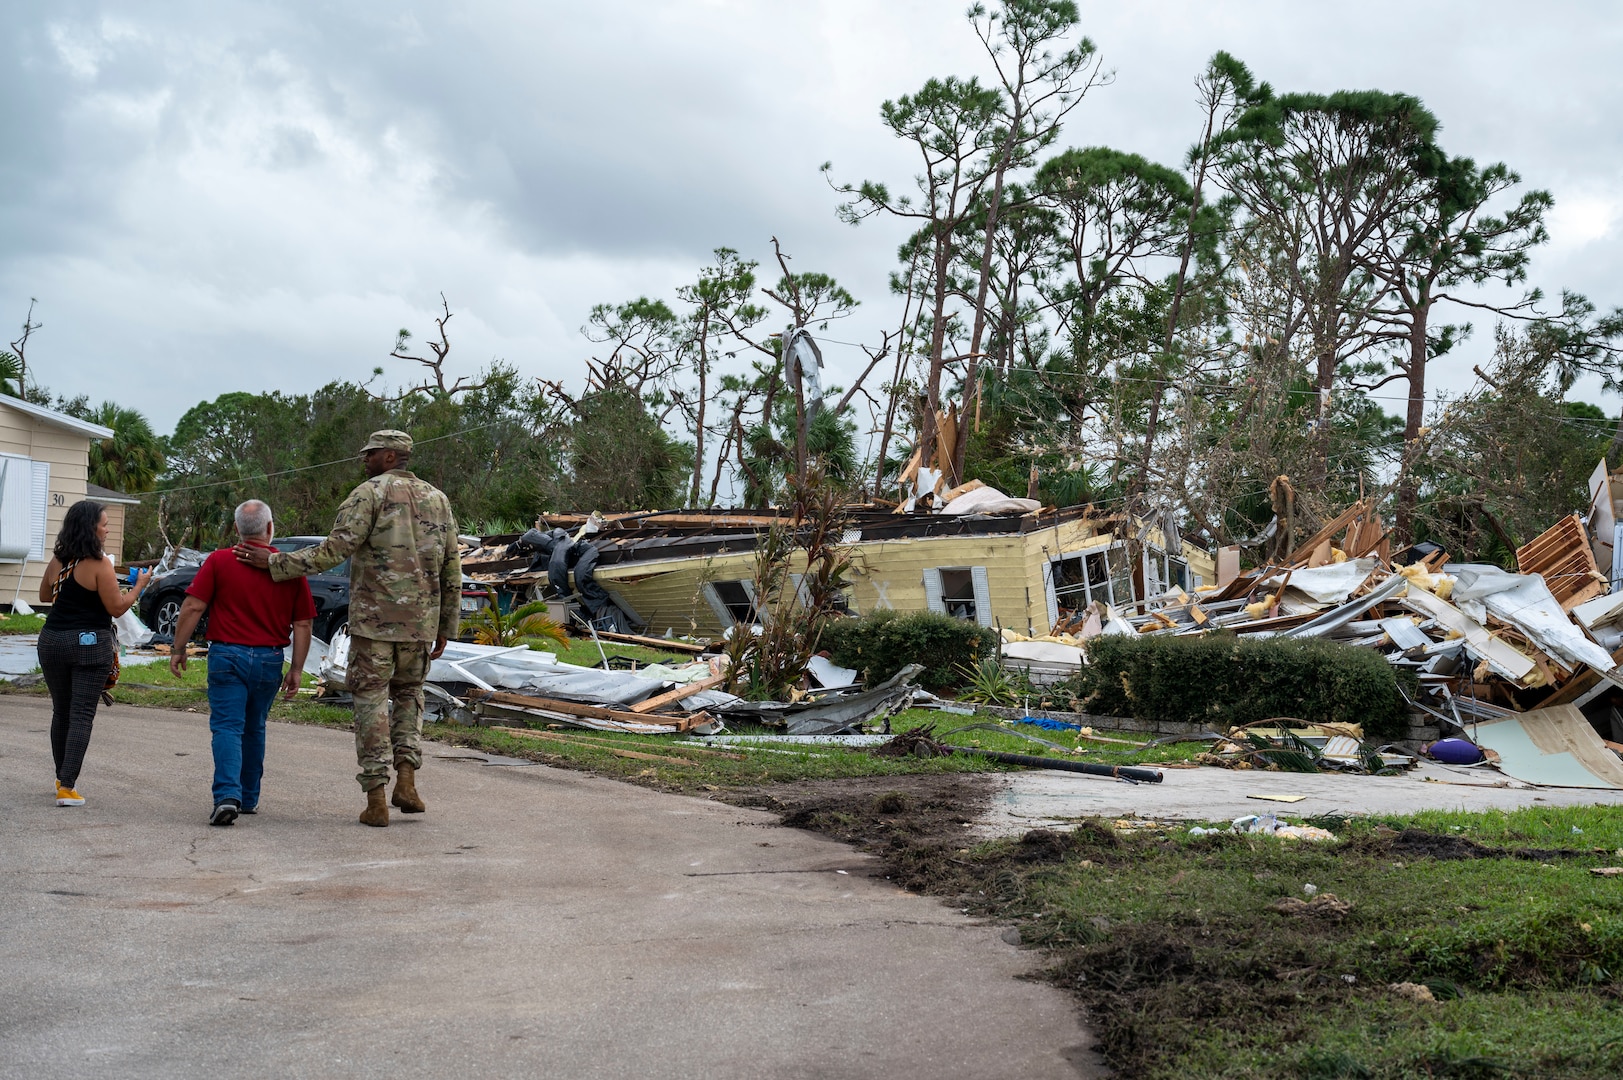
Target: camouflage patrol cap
x: 388, y: 439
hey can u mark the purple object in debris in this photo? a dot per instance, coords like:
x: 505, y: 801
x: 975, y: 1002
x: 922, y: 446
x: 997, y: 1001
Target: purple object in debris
x: 1455, y: 751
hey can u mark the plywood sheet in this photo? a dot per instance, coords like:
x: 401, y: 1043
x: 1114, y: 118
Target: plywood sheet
x: 1554, y: 747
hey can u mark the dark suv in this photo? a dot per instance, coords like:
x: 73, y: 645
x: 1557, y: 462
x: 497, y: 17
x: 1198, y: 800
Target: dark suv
x: 160, y: 604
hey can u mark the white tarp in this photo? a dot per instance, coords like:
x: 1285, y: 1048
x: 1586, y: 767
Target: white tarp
x: 1043, y: 652
x: 1331, y: 583
x: 1525, y: 602
x: 827, y: 674
x: 540, y: 675
x: 989, y: 500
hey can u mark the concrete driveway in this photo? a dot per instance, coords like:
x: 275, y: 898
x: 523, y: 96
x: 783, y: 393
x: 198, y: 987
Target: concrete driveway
x: 1041, y: 799
x: 535, y: 922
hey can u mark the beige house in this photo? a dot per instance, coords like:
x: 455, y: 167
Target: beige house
x: 44, y: 467
x: 117, y: 505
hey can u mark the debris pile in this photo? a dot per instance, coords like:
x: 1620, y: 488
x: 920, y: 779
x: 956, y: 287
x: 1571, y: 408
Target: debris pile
x: 486, y: 684
x: 1511, y: 659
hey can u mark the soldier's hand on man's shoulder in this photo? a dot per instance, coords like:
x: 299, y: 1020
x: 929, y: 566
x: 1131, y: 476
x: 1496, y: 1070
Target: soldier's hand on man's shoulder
x: 253, y: 556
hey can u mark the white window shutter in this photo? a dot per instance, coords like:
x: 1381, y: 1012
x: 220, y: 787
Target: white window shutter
x: 1050, y: 596
x: 758, y: 616
x: 37, y: 509
x: 723, y: 617
x: 16, y: 508
x: 932, y: 591
x: 983, y: 595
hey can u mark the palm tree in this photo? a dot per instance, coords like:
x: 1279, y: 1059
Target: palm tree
x: 491, y: 626
x: 133, y: 458
x: 11, y: 375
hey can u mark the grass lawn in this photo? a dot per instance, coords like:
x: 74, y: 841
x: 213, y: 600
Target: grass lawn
x: 21, y: 624
x: 1188, y: 969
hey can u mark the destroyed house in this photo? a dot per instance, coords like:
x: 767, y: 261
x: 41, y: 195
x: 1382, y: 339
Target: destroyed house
x: 692, y: 572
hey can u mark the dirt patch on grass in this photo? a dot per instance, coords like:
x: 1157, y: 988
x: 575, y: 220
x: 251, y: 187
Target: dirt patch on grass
x: 1163, y: 993
x: 1419, y: 844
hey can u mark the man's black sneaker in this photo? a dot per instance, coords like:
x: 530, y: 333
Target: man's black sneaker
x: 225, y: 813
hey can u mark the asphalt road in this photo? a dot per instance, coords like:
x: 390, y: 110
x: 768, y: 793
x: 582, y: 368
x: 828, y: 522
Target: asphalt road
x: 535, y: 922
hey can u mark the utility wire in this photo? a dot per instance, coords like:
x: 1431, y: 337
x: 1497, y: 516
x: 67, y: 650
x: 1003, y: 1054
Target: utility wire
x: 319, y: 465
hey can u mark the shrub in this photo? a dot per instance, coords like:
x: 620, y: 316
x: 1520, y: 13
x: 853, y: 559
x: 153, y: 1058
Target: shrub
x: 882, y: 643
x: 1221, y: 680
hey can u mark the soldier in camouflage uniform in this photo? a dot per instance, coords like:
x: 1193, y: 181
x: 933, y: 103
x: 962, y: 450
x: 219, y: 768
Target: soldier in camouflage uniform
x: 405, y: 599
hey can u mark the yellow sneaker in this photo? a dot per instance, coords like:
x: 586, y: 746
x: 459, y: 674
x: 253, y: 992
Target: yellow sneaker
x: 66, y: 796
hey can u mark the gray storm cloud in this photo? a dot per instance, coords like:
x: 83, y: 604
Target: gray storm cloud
x: 222, y: 196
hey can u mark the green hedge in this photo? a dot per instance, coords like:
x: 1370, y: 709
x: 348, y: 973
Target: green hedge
x: 882, y: 643
x: 1224, y: 679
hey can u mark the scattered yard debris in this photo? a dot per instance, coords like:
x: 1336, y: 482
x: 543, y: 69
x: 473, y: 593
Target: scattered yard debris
x: 1418, y: 992
x: 1322, y: 906
x: 1268, y: 824
x: 831, y: 712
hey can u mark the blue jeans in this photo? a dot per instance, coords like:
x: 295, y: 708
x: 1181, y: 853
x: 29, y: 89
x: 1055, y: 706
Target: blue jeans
x: 243, y: 681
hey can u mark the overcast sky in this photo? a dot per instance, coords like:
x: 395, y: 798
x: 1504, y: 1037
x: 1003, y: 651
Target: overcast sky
x: 226, y: 195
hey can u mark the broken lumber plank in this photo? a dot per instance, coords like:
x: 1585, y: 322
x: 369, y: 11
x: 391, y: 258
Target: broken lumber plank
x: 652, y: 642
x: 1368, y: 547
x: 1330, y: 529
x: 635, y: 754
x: 678, y: 694
x: 596, y: 712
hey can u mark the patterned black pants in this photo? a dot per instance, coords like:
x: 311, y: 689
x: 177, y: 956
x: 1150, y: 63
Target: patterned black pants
x: 76, y: 674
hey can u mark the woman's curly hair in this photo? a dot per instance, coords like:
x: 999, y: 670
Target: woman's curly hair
x: 77, y: 538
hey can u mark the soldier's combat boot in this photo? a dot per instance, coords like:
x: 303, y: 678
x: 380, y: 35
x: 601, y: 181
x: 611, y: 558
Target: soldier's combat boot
x: 405, y: 789
x: 377, y: 808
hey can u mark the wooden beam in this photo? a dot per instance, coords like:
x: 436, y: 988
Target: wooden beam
x: 653, y: 642
x: 678, y: 694
x: 1333, y: 526
x: 594, y: 712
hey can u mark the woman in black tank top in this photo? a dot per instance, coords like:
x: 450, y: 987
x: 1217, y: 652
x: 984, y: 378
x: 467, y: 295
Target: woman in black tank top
x: 76, y: 647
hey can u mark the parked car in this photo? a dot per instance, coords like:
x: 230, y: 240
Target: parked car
x: 160, y: 604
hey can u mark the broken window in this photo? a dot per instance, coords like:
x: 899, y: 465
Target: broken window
x: 1075, y: 581
x: 842, y: 600
x: 960, y: 591
x: 732, y: 601
x: 1163, y: 572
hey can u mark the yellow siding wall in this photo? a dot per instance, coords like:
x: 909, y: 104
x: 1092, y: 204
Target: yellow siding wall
x: 668, y: 595
x: 69, y: 455
x: 889, y: 573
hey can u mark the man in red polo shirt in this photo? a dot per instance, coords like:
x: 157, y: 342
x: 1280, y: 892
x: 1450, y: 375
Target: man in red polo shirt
x: 251, y: 619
